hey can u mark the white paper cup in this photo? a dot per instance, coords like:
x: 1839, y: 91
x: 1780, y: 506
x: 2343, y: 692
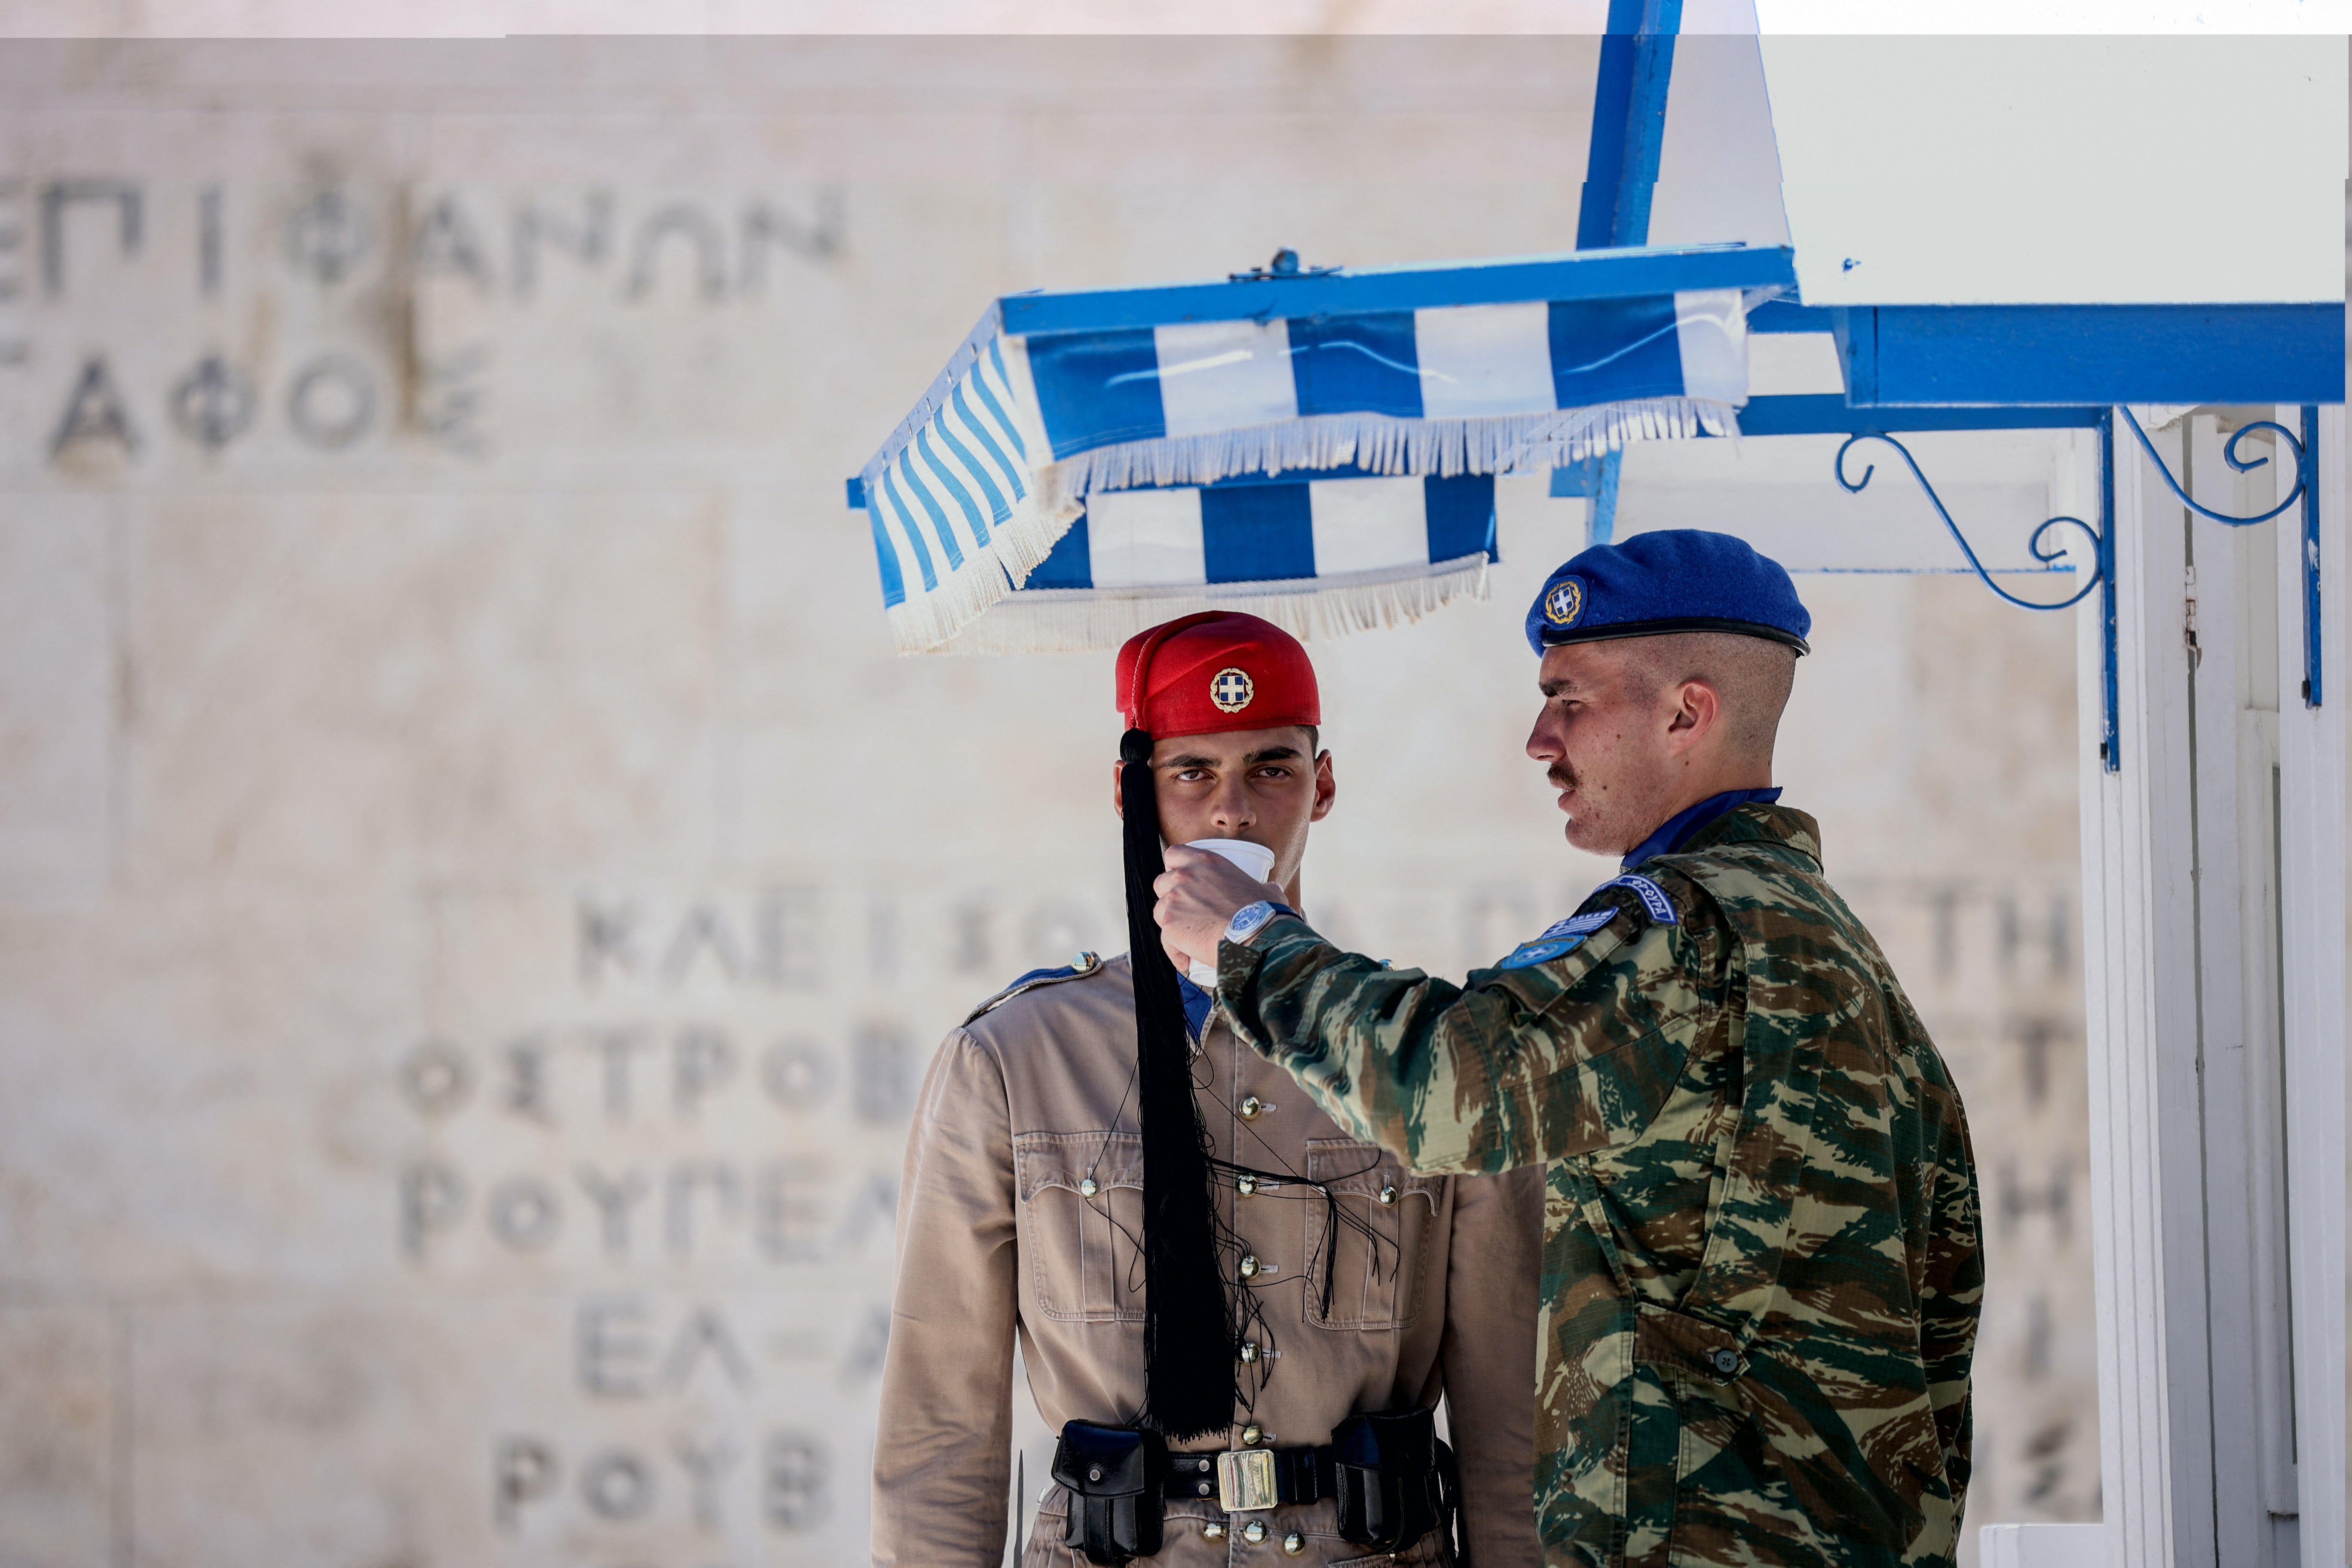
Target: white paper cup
x: 1255, y: 859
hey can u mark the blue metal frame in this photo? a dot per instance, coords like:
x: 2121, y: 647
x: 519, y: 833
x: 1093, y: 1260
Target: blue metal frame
x: 2313, y: 691
x: 1629, y: 122
x: 1618, y: 274
x: 2047, y: 557
x: 2008, y: 355
x: 1620, y: 170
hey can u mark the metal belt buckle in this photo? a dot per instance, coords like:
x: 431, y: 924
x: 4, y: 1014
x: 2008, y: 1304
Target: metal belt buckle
x: 1246, y: 1480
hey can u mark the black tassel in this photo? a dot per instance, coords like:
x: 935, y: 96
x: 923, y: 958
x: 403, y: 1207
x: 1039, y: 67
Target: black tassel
x: 1188, y: 1325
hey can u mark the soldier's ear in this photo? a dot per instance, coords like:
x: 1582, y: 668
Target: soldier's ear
x: 1117, y: 805
x: 1325, y: 787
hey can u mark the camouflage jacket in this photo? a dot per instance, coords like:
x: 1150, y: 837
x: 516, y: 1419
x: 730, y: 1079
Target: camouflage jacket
x: 1761, y: 1264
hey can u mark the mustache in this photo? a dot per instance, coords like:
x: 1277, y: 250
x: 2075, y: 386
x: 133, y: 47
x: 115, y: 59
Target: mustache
x: 1559, y: 776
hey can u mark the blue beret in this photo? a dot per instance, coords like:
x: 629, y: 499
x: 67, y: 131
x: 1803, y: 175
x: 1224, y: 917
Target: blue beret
x: 1675, y: 580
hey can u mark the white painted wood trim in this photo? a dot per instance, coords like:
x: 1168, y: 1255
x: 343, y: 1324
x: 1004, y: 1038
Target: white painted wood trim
x: 2312, y: 895
x: 2146, y: 1212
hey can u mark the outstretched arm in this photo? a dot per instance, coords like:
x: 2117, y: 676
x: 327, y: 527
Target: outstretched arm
x: 1553, y: 1054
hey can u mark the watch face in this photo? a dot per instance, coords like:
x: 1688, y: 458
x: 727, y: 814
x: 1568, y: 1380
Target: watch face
x: 1248, y: 919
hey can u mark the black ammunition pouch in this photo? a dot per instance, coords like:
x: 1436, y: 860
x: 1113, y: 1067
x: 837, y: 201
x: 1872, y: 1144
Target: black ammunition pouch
x: 1118, y: 1480
x: 1394, y: 1480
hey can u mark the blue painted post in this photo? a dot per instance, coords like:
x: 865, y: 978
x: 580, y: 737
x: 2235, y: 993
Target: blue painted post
x: 2110, y: 743
x: 1620, y: 167
x: 2312, y: 693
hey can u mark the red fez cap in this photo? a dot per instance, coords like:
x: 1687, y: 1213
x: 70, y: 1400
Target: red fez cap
x: 1214, y: 672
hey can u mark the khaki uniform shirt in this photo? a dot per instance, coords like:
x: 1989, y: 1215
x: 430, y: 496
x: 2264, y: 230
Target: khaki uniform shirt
x: 1761, y: 1261
x: 1031, y: 1099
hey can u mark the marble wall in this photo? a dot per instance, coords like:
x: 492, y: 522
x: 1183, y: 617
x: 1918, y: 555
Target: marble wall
x: 477, y: 888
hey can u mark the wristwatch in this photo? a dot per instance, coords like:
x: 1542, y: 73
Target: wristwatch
x: 1250, y: 916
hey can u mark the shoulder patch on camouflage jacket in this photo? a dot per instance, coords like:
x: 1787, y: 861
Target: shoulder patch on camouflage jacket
x: 1088, y: 963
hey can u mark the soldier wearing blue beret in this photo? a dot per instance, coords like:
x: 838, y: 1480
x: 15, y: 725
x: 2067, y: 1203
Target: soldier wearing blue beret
x: 1762, y: 1266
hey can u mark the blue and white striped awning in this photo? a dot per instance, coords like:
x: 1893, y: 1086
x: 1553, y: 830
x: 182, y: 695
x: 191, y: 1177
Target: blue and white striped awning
x: 1095, y: 463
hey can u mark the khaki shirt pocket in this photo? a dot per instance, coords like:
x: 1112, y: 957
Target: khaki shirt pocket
x: 1375, y: 1263
x: 1082, y: 1251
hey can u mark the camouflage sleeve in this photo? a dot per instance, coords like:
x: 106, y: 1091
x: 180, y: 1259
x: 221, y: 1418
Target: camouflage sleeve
x: 1952, y: 1294
x: 1517, y: 1066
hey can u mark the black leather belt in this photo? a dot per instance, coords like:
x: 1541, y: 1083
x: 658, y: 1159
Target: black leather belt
x: 1246, y: 1480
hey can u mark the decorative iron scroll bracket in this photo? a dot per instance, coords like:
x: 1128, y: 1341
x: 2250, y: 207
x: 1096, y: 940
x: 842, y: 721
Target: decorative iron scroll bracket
x: 2102, y: 576
x: 2306, y: 490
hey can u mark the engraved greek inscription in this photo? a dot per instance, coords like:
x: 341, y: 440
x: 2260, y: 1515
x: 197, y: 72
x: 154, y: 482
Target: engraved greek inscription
x: 685, y: 1181
x: 447, y: 245
x: 210, y: 266
x: 792, y: 1494
x: 60, y: 197
x: 586, y: 241
x: 435, y: 1079
x: 12, y: 237
x: 701, y: 1060
x: 614, y: 1198
x: 95, y: 414
x: 704, y: 930
x: 432, y: 1200
x: 694, y: 226
x: 873, y: 1212
x: 864, y: 1357
x: 2017, y: 1199
x: 787, y: 1221
x: 449, y: 399
x: 797, y: 1074
x: 704, y: 1337
x: 612, y: 1347
x: 707, y: 1462
x: 332, y: 402
x: 618, y: 1047
x: 607, y: 936
x: 2035, y: 1036
x: 814, y: 240
x: 617, y: 1485
x: 526, y: 1081
x: 214, y: 403
x: 881, y: 1074
x: 522, y: 1470
x: 525, y: 1214
x: 327, y: 236
x: 789, y: 922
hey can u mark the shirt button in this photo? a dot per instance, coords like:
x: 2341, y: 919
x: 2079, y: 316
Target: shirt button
x: 1087, y: 1188
x: 1249, y: 1266
x: 1294, y: 1543
x: 1213, y: 1531
x: 1249, y: 1351
x: 1727, y: 1361
x: 1254, y: 1531
x: 1251, y: 1434
x: 1246, y: 1185
x: 1388, y: 1192
x: 1250, y: 1107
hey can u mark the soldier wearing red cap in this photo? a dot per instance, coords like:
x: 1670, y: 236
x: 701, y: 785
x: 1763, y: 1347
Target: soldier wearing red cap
x: 1239, y: 1318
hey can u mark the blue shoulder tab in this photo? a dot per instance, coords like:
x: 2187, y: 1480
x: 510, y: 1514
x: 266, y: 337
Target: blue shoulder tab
x: 1654, y: 902
x: 1556, y: 940
x: 1088, y: 963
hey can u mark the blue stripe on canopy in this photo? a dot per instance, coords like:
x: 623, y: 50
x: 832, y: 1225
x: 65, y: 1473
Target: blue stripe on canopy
x: 1256, y: 533
x: 1098, y: 388
x: 1357, y: 364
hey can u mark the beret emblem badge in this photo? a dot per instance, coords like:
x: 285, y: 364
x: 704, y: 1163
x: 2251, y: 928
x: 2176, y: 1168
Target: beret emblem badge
x: 1231, y: 689
x: 1565, y: 602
